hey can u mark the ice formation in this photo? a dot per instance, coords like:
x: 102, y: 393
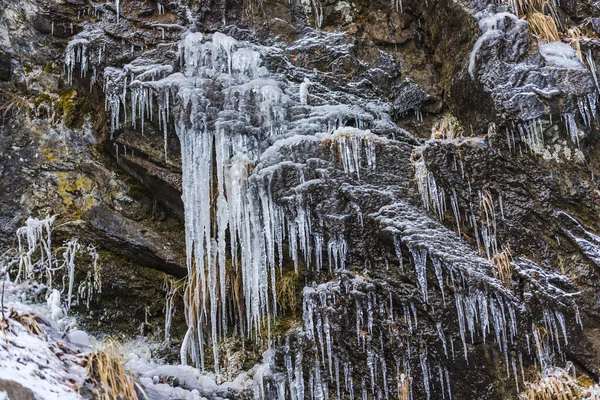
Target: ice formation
x: 492, y: 27
x: 232, y: 156
x: 219, y: 154
x: 351, y: 143
x: 37, y: 259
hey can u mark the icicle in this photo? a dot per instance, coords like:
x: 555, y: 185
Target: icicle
x: 571, y: 126
x: 590, y: 60
x: 73, y: 247
x: 420, y: 261
x: 461, y: 320
x: 455, y: 209
x: 350, y: 143
x: 337, y: 377
x: 425, y: 371
x: 514, y: 367
x: 442, y: 337
x: 437, y: 266
x: 299, y: 377
x: 398, y: 250
x: 578, y: 319
x: 304, y: 91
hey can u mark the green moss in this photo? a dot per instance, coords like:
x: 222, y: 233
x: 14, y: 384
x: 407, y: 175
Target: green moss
x: 67, y: 104
x: 137, y: 191
x: 42, y: 98
x: 73, y: 108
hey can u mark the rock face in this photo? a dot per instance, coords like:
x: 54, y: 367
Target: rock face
x: 15, y: 391
x: 281, y: 162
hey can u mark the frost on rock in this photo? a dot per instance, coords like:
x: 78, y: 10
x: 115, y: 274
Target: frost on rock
x: 228, y: 159
x: 33, y: 349
x: 351, y: 144
x: 37, y: 259
x: 494, y: 26
x: 243, y: 131
x: 561, y: 55
x: 588, y: 242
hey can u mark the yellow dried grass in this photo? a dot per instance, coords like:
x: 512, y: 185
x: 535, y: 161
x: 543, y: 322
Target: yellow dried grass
x: 106, y: 370
x: 543, y: 27
x: 502, y: 261
x: 447, y: 128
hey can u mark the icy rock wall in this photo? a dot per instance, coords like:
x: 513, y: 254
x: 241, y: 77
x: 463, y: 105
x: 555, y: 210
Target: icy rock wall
x: 230, y: 213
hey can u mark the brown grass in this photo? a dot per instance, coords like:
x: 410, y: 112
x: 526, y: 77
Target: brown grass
x: 286, y: 291
x: 105, y: 368
x: 503, y: 269
x: 11, y: 104
x: 575, y: 37
x: 28, y: 320
x: 403, y: 387
x: 553, y: 384
x: 528, y: 7
x: 448, y: 128
x: 543, y: 26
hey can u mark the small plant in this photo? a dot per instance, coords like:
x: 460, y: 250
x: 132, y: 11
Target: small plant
x: 105, y: 369
x: 447, y: 128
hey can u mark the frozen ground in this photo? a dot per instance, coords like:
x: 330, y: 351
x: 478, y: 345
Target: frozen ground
x: 41, y: 350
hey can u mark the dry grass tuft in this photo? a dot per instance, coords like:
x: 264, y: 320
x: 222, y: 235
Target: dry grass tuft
x: 576, y: 36
x: 105, y: 368
x: 503, y: 269
x: 543, y: 26
x: 528, y: 7
x: 553, y: 384
x: 28, y: 320
x: 403, y: 387
x: 12, y: 104
x: 447, y: 128
x: 286, y: 291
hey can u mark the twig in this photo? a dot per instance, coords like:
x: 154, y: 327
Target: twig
x: 2, y: 301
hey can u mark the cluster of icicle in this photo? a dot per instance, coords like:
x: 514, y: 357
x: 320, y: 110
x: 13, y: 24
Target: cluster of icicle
x: 481, y: 312
x: 37, y: 259
x: 323, y: 311
x: 407, y: 227
x: 230, y: 213
x: 480, y: 216
x: 531, y: 133
x: 390, y: 358
x: 247, y: 217
x: 351, y: 143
